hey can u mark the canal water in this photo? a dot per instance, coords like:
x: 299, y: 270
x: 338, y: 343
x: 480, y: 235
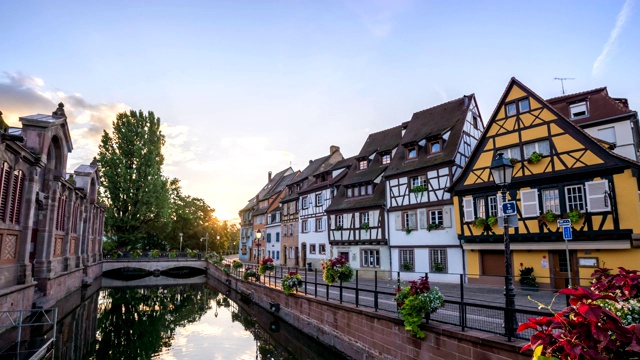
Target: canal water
x: 194, y: 321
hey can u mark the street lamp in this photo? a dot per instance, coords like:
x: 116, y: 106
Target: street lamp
x: 502, y: 171
x: 258, y: 236
x: 180, y: 242
x: 206, y: 243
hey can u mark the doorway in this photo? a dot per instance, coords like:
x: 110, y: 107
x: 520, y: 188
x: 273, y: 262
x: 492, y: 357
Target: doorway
x: 304, y: 254
x: 560, y: 268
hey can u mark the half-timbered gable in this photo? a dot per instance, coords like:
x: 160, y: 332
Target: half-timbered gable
x: 273, y: 218
x: 559, y: 172
x: 435, y: 146
x: 357, y: 225
x: 314, y: 200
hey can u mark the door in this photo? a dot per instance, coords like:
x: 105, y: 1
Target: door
x: 493, y: 267
x: 344, y: 255
x: 297, y: 264
x: 304, y: 254
x: 560, y: 268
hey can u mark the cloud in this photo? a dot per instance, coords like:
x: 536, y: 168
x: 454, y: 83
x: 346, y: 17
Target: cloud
x: 378, y: 15
x: 601, y: 61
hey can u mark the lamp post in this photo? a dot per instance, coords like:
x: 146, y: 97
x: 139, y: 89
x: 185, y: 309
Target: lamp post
x: 502, y: 171
x: 258, y: 236
x: 206, y: 243
x: 180, y: 242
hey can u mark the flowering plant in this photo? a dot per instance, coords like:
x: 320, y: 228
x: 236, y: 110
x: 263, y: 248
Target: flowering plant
x: 237, y: 264
x: 600, y: 323
x: 336, y: 269
x: 250, y: 274
x: 226, y: 269
x: 415, y: 301
x: 291, y: 282
x: 266, y: 265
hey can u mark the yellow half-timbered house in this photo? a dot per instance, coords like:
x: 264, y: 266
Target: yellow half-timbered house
x: 559, y: 172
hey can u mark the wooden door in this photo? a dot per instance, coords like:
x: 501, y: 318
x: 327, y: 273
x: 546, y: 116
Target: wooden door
x: 492, y: 266
x: 560, y: 268
x: 304, y: 254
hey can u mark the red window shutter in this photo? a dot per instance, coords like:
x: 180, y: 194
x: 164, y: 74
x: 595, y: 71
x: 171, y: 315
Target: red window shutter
x: 18, y: 189
x: 4, y: 191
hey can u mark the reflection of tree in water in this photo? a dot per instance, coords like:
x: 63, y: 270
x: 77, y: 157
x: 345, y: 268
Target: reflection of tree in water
x: 267, y: 348
x: 138, y: 323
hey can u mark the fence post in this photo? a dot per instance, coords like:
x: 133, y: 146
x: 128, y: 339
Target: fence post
x: 463, y: 315
x: 340, y: 291
x: 306, y: 280
x: 357, y: 290
x: 375, y: 291
x: 398, y: 286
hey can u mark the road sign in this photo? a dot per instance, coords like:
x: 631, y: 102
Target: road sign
x: 509, y: 208
x: 566, y: 232
x: 564, y: 222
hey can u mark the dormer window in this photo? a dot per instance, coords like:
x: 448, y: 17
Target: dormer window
x: 412, y: 152
x: 579, y: 110
x: 386, y: 159
x: 361, y: 190
x: 362, y: 164
x: 435, y: 147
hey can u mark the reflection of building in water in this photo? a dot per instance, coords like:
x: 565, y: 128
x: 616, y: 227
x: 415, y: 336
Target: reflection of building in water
x: 51, y: 224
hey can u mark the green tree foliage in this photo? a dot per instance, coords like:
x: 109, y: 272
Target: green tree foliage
x: 133, y: 187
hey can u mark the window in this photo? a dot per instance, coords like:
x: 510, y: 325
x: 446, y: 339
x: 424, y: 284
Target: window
x: 268, y: 237
x: 418, y: 181
x: 319, y: 224
x: 386, y: 159
x: 579, y: 110
x: 350, y: 192
x: 541, y: 147
x: 339, y: 221
x: 435, y: 147
x: 412, y: 152
x: 305, y: 226
x: 370, y: 258
x: 435, y: 218
x: 493, y: 205
x: 406, y: 257
x: 409, y: 220
x: 312, y: 249
x: 551, y: 201
x: 322, y: 248
x: 319, y: 199
x: 607, y: 134
x: 305, y: 202
x: 529, y: 203
x: 362, y: 164
x: 278, y: 255
x: 511, y: 153
x: 480, y: 208
x: 277, y: 237
x: 511, y: 109
x: 364, y: 218
x: 575, y: 197
x: 523, y: 105
x: 438, y: 260
x: 291, y: 229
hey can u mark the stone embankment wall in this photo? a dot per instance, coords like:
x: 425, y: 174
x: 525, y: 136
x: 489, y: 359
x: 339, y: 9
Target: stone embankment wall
x: 364, y: 334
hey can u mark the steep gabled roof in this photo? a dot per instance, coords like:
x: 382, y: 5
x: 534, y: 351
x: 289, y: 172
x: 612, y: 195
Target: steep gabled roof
x: 343, y: 164
x: 441, y: 120
x: 601, y: 106
x: 315, y: 167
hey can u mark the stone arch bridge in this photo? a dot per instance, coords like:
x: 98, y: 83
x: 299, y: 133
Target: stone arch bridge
x: 155, y: 265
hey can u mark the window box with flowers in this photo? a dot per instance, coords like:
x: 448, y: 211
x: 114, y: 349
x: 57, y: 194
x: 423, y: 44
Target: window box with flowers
x: 418, y: 191
x: 492, y: 220
x: 250, y: 274
x: 226, y: 269
x: 535, y: 158
x: 237, y: 264
x: 406, y: 266
x: 336, y: 269
x: 434, y: 226
x: 549, y: 217
x: 365, y: 226
x: 574, y: 215
x: 266, y: 265
x: 292, y: 282
x: 480, y: 223
x: 416, y: 302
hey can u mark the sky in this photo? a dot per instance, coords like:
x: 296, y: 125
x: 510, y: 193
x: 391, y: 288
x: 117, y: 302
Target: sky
x: 247, y: 87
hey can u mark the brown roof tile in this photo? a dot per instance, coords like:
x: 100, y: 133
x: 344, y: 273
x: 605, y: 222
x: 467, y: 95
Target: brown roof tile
x: 601, y: 105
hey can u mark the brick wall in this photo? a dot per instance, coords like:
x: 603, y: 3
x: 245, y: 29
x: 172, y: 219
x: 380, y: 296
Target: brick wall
x: 364, y: 334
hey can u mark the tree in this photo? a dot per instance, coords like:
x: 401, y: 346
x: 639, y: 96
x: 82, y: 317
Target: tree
x: 133, y: 187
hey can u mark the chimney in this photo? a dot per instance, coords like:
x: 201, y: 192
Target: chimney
x: 333, y: 149
x: 269, y: 175
x: 310, y: 161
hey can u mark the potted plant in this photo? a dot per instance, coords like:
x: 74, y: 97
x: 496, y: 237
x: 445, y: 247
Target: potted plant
x: 418, y: 190
x: 336, y: 269
x: 480, y: 222
x: 116, y: 254
x: 250, y: 274
x: 438, y: 267
x: 226, y: 269
x: 266, y: 265
x: 365, y: 226
x: 406, y: 266
x: 527, y: 279
x: 549, y: 217
x: 434, y: 226
x: 173, y: 254
x: 155, y: 253
x: 192, y: 253
x: 408, y: 230
x: 513, y: 161
x: 574, y: 215
x: 492, y: 220
x: 237, y: 264
x: 291, y: 282
x: 535, y: 158
x: 417, y: 301
x: 339, y: 227
x: 136, y: 253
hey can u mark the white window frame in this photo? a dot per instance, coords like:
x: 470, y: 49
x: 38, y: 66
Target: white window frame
x: 409, y: 220
x: 319, y: 199
x: 524, y: 101
x: 364, y: 217
x: 407, y: 256
x: 492, y: 205
x: 312, y: 248
x: 418, y: 180
x: 319, y: 224
x: 436, y: 216
x: 438, y: 255
x: 386, y: 159
x: 538, y: 147
x: 362, y: 164
x: 305, y: 202
x: 322, y: 249
x: 578, y: 108
x: 481, y: 208
x: 305, y: 226
x: 571, y: 194
x: 370, y: 258
x: 508, y: 107
x: 550, y: 200
x: 339, y: 220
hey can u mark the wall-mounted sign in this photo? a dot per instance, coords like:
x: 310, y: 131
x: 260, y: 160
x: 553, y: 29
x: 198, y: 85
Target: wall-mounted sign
x: 588, y: 262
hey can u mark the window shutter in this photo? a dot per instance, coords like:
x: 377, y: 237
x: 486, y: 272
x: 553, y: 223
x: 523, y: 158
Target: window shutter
x: 596, y: 195
x: 399, y: 221
x: 529, y: 202
x: 446, y: 217
x: 321, y: 198
x: 324, y: 224
x: 422, y: 217
x: 499, y: 204
x: 468, y: 209
x: 412, y: 220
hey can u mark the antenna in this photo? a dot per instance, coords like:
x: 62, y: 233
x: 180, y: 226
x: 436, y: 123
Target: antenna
x: 562, y: 82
